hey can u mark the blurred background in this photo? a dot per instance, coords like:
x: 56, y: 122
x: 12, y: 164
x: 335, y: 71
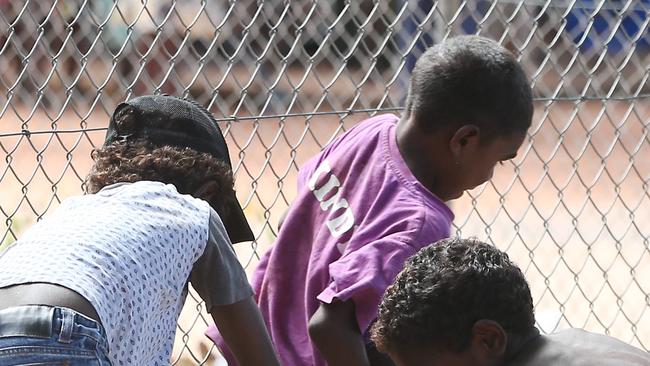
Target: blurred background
x: 285, y: 77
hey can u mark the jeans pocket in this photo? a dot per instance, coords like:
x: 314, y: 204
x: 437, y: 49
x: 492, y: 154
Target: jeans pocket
x: 46, y: 355
x: 62, y: 363
x: 57, y: 363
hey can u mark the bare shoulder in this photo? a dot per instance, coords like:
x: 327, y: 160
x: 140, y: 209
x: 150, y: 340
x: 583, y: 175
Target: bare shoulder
x: 580, y: 347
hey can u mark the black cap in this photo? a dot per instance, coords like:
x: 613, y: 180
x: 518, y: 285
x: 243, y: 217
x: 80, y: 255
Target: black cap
x: 167, y: 120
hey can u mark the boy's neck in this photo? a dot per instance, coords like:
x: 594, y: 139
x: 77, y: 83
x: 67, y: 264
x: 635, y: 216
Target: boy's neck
x: 418, y: 150
x: 521, y: 345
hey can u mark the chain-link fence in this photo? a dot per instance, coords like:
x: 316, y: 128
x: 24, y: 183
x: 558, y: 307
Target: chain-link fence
x: 285, y: 77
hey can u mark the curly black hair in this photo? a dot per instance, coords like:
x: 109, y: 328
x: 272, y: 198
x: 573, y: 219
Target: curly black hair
x: 185, y: 168
x: 444, y: 290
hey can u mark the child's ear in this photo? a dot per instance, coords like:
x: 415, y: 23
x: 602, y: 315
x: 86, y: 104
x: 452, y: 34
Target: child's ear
x: 467, y: 136
x: 489, y: 339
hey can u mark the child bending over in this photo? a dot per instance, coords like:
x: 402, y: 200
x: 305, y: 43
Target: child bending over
x: 103, y: 278
x: 376, y: 195
x: 462, y: 302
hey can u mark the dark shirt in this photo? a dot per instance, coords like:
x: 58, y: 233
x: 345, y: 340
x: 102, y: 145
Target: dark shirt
x: 576, y: 347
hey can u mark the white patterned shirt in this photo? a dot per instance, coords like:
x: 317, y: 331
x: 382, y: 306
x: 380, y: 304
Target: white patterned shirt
x: 130, y: 250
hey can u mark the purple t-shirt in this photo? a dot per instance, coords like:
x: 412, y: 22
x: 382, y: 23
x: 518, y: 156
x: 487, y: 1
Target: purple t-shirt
x: 358, y: 215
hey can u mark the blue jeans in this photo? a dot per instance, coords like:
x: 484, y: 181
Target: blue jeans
x: 46, y: 335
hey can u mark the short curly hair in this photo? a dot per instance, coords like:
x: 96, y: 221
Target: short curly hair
x: 444, y: 290
x: 186, y: 169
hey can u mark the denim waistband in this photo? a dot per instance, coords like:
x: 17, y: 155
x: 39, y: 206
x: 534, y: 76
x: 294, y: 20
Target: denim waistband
x: 43, y: 321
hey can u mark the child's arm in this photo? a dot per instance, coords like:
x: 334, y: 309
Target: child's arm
x: 243, y: 329
x: 349, y: 303
x: 334, y: 331
x: 220, y: 280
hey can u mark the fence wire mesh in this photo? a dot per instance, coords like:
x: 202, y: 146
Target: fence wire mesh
x: 285, y: 77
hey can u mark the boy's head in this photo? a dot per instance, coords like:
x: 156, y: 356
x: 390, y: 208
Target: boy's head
x: 175, y: 141
x: 470, y: 80
x: 469, y: 103
x: 457, y: 302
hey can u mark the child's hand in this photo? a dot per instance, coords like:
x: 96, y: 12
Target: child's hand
x: 334, y: 330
